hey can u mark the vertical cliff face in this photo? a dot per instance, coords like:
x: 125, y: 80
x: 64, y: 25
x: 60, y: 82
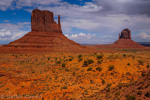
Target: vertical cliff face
x: 43, y: 21
x: 125, y: 34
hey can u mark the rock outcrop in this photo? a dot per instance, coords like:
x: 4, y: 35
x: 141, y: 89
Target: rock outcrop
x: 45, y: 36
x: 43, y: 21
x: 125, y: 34
x: 125, y: 41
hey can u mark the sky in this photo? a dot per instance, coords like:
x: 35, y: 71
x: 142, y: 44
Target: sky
x: 84, y: 21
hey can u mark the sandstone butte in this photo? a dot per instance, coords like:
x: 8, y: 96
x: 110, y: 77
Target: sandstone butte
x: 125, y: 41
x: 45, y: 36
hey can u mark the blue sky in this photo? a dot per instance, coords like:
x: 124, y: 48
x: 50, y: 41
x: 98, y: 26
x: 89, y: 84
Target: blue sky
x: 84, y: 21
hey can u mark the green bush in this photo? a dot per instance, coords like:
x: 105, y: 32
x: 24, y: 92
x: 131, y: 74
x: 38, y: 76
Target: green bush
x: 147, y: 66
x: 99, y: 61
x: 48, y: 58
x: 89, y: 69
x: 103, y: 81
x: 80, y: 59
x: 99, y: 69
x: 64, y: 87
x: 99, y: 56
x: 124, y: 55
x: 63, y: 64
x: 130, y: 98
x: 128, y: 73
x: 90, y: 61
x: 128, y: 64
x: 140, y: 62
x: 111, y: 67
x: 85, y: 63
x: 70, y: 59
x: 58, y: 62
x: 80, y: 56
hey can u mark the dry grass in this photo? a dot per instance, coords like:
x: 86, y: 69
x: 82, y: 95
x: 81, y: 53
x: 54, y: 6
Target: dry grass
x: 62, y: 75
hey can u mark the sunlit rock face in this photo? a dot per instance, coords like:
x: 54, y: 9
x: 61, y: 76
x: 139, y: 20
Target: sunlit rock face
x: 43, y: 21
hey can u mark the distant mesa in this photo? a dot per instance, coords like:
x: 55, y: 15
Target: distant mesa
x: 45, y: 36
x: 125, y: 40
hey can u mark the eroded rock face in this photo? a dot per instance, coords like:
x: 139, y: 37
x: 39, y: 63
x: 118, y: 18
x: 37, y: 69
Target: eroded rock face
x: 43, y: 21
x: 125, y: 34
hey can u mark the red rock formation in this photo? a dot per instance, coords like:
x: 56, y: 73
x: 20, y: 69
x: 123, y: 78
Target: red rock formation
x: 43, y: 21
x: 125, y: 41
x: 125, y: 34
x: 46, y: 36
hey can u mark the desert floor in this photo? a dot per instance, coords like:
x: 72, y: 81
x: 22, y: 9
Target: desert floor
x: 61, y: 76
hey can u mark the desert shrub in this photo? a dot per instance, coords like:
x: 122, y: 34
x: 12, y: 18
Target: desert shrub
x: 147, y: 66
x: 33, y: 71
x: 99, y: 61
x: 80, y: 59
x: 130, y: 98
x: 64, y: 87
x: 85, y: 63
x: 48, y: 58
x: 140, y: 62
x: 128, y: 73
x: 103, y: 81
x: 124, y: 55
x: 66, y: 69
x: 58, y: 62
x: 108, y: 85
x: 111, y: 67
x: 117, y: 93
x: 70, y: 59
x: 128, y: 64
x: 147, y: 94
x: 90, y: 61
x: 63, y: 64
x: 56, y: 58
x: 89, y: 69
x: 80, y: 56
x: 99, y: 56
x: 91, y: 81
x: 107, y: 89
x: 74, y: 73
x: 99, y: 69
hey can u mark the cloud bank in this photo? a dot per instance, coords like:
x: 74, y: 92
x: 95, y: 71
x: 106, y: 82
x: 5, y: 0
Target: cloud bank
x: 104, y: 18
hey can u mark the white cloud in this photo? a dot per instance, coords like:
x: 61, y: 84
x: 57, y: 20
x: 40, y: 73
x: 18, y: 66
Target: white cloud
x: 10, y: 32
x: 5, y: 4
x: 141, y: 37
x: 144, y: 35
x: 105, y: 18
x: 29, y: 3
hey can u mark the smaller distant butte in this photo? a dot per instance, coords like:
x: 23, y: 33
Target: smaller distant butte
x: 125, y: 40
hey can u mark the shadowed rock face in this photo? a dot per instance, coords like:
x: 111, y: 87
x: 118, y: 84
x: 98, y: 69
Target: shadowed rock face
x: 125, y: 34
x: 43, y: 21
